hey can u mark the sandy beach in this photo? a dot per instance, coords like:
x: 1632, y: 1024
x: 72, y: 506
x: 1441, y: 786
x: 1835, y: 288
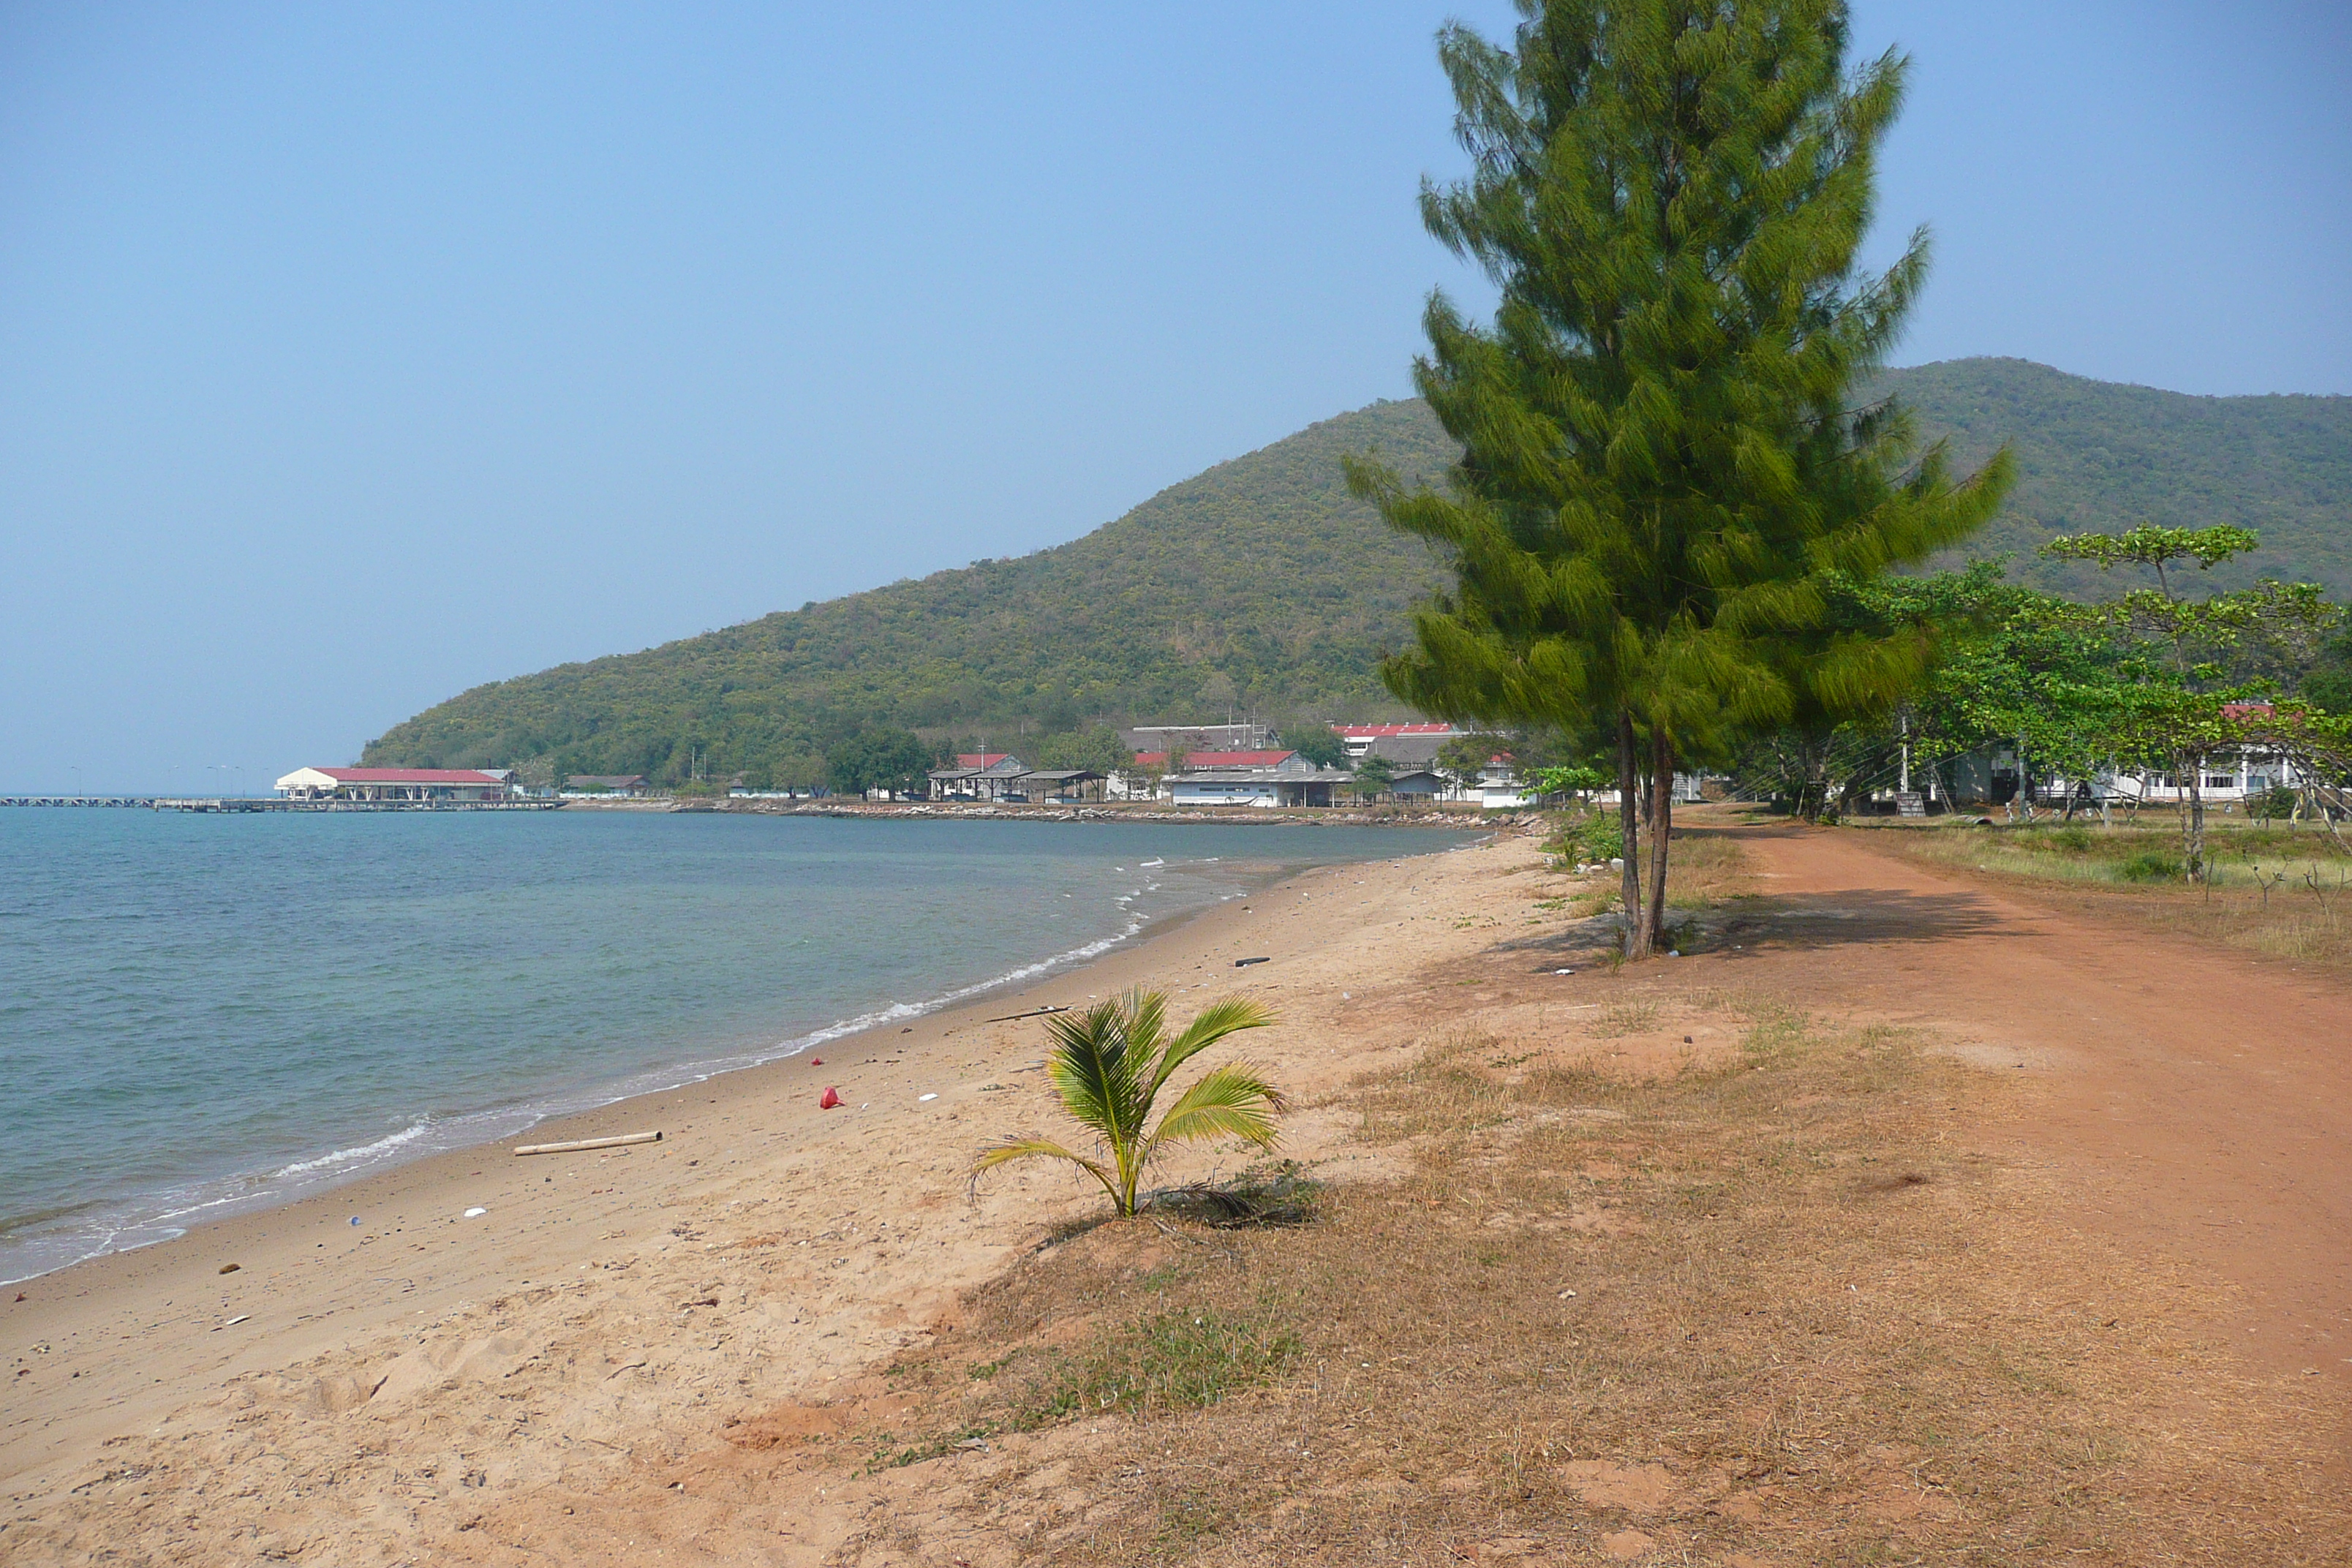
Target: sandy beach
x: 358, y: 1392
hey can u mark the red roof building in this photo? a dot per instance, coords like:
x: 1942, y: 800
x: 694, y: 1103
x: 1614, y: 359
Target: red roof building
x: 396, y: 785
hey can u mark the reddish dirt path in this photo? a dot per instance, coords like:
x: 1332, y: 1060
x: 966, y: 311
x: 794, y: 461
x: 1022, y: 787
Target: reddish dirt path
x: 2192, y: 1104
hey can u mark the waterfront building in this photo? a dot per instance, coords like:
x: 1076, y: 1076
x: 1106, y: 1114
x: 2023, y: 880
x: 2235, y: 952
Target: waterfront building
x: 411, y: 786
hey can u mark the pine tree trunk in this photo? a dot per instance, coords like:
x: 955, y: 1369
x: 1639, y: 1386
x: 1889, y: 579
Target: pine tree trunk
x: 1812, y: 794
x: 1629, y: 821
x: 1661, y: 819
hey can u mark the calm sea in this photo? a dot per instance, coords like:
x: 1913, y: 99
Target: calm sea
x: 203, y: 1013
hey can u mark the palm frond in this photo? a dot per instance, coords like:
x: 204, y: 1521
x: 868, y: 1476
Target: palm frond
x: 1212, y: 1023
x: 1013, y: 1149
x: 1231, y: 1102
x: 1095, y: 1072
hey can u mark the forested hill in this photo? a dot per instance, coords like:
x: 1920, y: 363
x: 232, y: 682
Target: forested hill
x: 1261, y: 583
x: 2092, y: 455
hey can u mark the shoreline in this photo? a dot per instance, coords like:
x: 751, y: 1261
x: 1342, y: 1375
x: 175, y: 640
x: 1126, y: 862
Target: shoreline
x: 256, y: 1192
x: 325, y: 1274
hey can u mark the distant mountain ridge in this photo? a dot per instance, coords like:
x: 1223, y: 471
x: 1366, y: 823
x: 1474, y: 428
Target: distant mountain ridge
x: 1261, y: 584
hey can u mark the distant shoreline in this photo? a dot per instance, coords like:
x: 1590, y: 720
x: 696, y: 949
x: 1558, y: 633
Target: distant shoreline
x: 950, y: 811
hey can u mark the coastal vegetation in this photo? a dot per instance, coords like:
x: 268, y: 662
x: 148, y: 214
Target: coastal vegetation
x: 2165, y: 674
x: 1108, y: 1064
x: 1664, y: 459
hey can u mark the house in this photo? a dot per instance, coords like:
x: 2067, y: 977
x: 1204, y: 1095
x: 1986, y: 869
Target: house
x: 1135, y: 782
x: 1293, y: 782
x: 981, y: 775
x: 402, y: 785
x: 1422, y: 785
x: 1498, y: 787
x: 630, y: 785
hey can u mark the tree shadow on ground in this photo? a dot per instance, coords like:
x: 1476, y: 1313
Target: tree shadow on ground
x: 1856, y: 917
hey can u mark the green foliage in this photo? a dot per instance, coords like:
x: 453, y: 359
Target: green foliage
x: 1571, y: 778
x: 1110, y: 1063
x: 1663, y: 459
x: 1375, y: 774
x: 878, y: 758
x: 1464, y: 758
x: 2151, y: 866
x: 1590, y: 840
x: 1097, y: 747
x: 1180, y: 1360
x: 1318, y: 743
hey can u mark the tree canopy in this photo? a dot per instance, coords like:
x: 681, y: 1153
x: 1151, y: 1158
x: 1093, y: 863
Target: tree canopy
x: 1662, y: 461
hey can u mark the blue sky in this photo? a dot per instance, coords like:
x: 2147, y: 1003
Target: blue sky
x: 354, y: 355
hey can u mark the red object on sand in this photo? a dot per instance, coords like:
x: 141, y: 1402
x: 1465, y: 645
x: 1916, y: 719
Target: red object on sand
x: 816, y: 1061
x: 829, y: 1102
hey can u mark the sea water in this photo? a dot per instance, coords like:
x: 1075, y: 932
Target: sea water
x: 200, y: 1014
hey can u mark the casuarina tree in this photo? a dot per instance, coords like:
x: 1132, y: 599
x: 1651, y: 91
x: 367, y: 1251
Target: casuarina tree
x: 1663, y: 455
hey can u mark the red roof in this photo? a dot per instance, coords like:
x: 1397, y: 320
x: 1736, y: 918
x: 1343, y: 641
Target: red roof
x: 979, y: 758
x: 410, y: 775
x: 1375, y: 732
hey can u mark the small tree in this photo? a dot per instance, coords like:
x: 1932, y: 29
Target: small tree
x: 1464, y: 759
x: 1318, y: 743
x: 1110, y: 1063
x: 2180, y: 705
x: 1096, y: 748
x: 895, y: 760
x: 1375, y: 774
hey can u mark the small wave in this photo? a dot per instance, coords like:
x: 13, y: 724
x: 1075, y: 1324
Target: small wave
x: 357, y: 1152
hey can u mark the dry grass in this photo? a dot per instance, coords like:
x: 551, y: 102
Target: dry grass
x: 1754, y: 1307
x: 2273, y: 893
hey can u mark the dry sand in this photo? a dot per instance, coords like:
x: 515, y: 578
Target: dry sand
x: 359, y: 1393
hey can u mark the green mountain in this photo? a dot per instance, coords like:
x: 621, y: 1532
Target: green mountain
x: 1261, y: 584
x: 2095, y: 456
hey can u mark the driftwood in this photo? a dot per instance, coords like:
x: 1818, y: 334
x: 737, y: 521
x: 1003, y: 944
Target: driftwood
x: 578, y: 1145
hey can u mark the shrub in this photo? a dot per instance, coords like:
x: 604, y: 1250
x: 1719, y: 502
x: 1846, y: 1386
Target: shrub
x: 2151, y: 866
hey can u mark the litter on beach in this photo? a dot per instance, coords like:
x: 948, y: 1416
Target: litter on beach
x: 578, y: 1144
x: 1032, y: 1013
x: 1245, y: 962
x: 476, y: 1214
x: 831, y: 1098
x: 920, y: 1098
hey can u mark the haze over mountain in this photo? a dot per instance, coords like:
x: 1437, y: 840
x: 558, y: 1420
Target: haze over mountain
x: 1261, y: 586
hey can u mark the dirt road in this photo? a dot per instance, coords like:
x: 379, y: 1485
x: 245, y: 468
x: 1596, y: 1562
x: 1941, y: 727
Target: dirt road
x: 2189, y: 1104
